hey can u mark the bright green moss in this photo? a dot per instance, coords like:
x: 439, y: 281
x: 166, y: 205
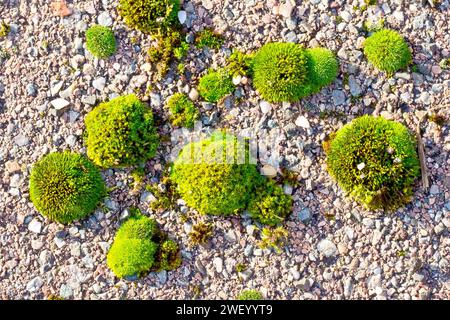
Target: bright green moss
x: 100, y: 41
x: 139, y: 247
x: 65, y: 186
x: 208, y: 38
x: 131, y: 257
x: 215, y: 176
x: 280, y: 72
x: 387, y: 51
x: 322, y: 66
x: 270, y: 205
x: 215, y: 85
x: 120, y: 133
x: 183, y: 113
x: 239, y: 63
x: 375, y: 161
x: 250, y: 295
x: 149, y: 16
x: 138, y: 227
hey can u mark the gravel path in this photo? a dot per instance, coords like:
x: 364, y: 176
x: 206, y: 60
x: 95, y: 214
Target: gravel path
x: 336, y: 249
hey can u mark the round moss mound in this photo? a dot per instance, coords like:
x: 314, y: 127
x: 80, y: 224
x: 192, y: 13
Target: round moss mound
x: 280, y: 72
x: 323, y: 67
x: 215, y: 176
x: 183, y: 112
x: 149, y: 16
x: 132, y: 257
x: 100, y: 41
x: 120, y: 133
x: 215, y: 85
x: 387, y: 50
x: 270, y: 205
x: 375, y: 161
x: 65, y: 186
x: 250, y: 295
x: 139, y: 247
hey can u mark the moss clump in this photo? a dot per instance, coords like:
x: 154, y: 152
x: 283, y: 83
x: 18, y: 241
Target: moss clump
x: 183, y: 113
x: 5, y: 29
x: 288, y: 72
x: 273, y: 238
x: 215, y: 176
x: 375, y: 161
x: 100, y: 41
x: 280, y: 72
x: 168, y: 47
x: 239, y: 63
x: 250, y: 295
x: 208, y: 38
x: 201, y: 232
x: 120, y: 133
x: 323, y: 67
x: 139, y: 247
x: 168, y: 256
x: 215, y: 85
x: 270, y: 205
x: 131, y: 257
x: 149, y: 16
x: 387, y: 51
x: 65, y: 186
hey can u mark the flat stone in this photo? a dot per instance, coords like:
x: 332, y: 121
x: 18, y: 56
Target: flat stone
x: 99, y: 83
x: 65, y: 291
x: 60, y: 104
x: 12, y: 166
x: 302, y: 122
x: 338, y: 97
x: 56, y: 88
x: 265, y: 106
x: 90, y: 100
x: 218, y: 264
x: 434, y: 189
x: 268, y: 171
x: 35, y: 226
x: 286, y: 9
x: 21, y: 140
x: 35, y: 284
x: 182, y: 16
x: 304, y: 215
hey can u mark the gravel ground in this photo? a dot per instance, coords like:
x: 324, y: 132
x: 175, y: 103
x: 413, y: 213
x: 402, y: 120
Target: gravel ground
x: 336, y: 249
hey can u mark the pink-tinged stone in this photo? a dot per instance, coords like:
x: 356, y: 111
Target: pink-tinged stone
x: 436, y: 69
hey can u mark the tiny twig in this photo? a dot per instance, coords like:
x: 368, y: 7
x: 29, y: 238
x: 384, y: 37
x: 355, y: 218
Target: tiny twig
x: 422, y: 159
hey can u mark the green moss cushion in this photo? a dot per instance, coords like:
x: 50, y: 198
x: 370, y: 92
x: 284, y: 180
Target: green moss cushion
x: 215, y: 85
x: 214, y: 179
x: 120, y: 133
x: 375, y: 161
x: 100, y: 41
x: 131, y: 257
x: 65, y: 186
x: 149, y: 15
x: 387, y: 50
x: 323, y: 67
x: 183, y: 112
x: 280, y: 72
x: 270, y: 205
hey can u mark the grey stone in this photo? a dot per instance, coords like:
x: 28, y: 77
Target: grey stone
x: 355, y: 88
x: 21, y: 140
x: 327, y: 248
x: 291, y: 36
x: 162, y: 276
x: 338, y: 97
x: 304, y: 215
x: 66, y: 291
x: 31, y: 90
x: 60, y: 104
x: 434, y: 189
x: 35, y: 284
